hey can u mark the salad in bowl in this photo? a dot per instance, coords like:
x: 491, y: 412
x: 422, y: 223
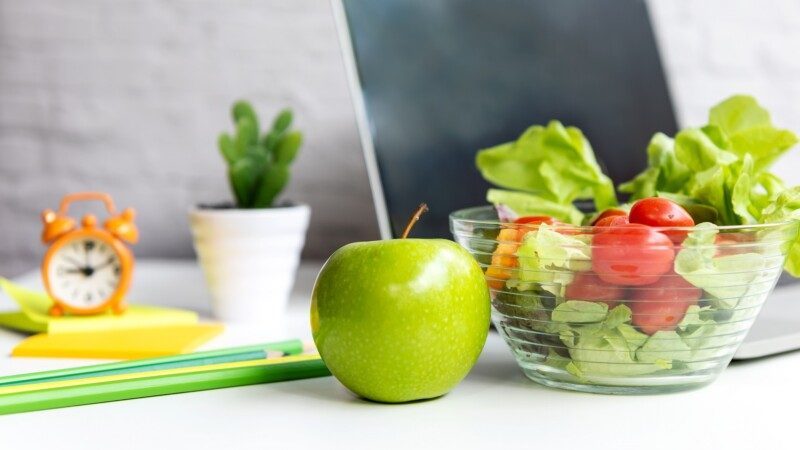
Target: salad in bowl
x: 651, y: 295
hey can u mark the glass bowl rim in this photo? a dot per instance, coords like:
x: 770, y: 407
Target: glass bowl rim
x: 458, y: 216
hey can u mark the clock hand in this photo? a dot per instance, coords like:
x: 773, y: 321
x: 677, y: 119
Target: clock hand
x: 109, y: 262
x: 73, y: 261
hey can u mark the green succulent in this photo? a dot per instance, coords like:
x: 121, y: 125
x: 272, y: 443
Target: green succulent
x: 258, y: 166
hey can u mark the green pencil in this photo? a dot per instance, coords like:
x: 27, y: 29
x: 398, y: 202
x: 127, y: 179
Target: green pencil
x: 245, y: 353
x: 59, y: 394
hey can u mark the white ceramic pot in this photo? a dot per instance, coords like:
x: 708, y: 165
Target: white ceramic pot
x: 249, y: 258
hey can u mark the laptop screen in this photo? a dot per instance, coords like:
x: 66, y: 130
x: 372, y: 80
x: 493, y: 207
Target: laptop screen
x: 442, y: 79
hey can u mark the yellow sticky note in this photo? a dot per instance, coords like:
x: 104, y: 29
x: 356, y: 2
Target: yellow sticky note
x: 34, y: 307
x: 119, y: 344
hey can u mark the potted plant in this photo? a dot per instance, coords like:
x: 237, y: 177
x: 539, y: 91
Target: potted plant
x: 249, y: 250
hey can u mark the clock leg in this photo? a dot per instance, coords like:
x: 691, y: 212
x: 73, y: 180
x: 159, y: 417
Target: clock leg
x: 119, y: 307
x: 56, y: 311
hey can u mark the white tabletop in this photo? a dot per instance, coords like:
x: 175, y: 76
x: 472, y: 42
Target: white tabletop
x: 752, y: 405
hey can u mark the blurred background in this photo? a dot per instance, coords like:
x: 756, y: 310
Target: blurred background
x: 128, y: 97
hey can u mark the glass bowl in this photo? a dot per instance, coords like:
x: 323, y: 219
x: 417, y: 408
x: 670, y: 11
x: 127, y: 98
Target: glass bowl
x: 595, y: 310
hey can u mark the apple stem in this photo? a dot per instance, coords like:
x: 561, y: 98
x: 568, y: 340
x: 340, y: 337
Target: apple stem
x: 414, y: 218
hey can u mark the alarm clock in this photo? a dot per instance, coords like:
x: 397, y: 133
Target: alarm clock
x: 87, y: 268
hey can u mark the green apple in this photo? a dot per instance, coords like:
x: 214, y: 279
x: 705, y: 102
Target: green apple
x: 401, y: 319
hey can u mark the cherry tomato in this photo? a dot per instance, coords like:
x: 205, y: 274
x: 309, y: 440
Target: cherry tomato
x: 631, y: 255
x: 536, y: 219
x: 609, y: 213
x: 660, y: 212
x: 530, y: 223
x: 587, y: 286
x: 612, y: 221
x: 662, y: 305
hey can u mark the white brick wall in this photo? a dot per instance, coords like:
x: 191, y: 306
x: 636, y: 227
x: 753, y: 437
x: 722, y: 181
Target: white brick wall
x: 714, y: 48
x: 128, y: 96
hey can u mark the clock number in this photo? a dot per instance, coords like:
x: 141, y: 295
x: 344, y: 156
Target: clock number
x: 86, y: 272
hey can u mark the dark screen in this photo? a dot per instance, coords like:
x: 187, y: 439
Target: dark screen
x: 442, y: 79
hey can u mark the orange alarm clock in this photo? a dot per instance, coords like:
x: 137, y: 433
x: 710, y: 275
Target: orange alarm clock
x: 88, y: 269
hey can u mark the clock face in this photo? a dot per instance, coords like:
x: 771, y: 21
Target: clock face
x: 84, y: 273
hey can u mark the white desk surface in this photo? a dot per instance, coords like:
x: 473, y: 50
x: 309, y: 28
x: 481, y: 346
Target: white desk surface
x: 752, y: 405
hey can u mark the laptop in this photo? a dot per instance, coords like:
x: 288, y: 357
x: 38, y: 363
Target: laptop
x: 433, y: 81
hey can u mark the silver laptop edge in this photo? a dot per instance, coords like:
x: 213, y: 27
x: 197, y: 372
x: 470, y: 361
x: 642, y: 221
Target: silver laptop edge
x: 354, y: 83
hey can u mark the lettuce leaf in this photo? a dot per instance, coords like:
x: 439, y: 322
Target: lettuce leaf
x: 787, y: 207
x: 602, y: 343
x: 599, y: 353
x: 696, y: 316
x: 557, y: 250
x: 662, y: 348
x: 577, y: 311
x: 554, y: 163
x: 709, y: 188
x: 605, y: 347
x: 699, y: 152
x: 726, y: 278
x: 721, y: 164
x: 612, y: 347
x: 769, y: 186
x: 698, y: 328
x: 664, y: 173
x: 742, y: 178
x: 738, y: 113
x: 705, y: 337
x: 749, y: 129
x: 730, y: 189
x: 550, y: 259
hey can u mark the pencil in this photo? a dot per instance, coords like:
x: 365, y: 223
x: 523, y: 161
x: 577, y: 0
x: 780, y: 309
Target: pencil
x: 234, y: 354
x: 74, y: 392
